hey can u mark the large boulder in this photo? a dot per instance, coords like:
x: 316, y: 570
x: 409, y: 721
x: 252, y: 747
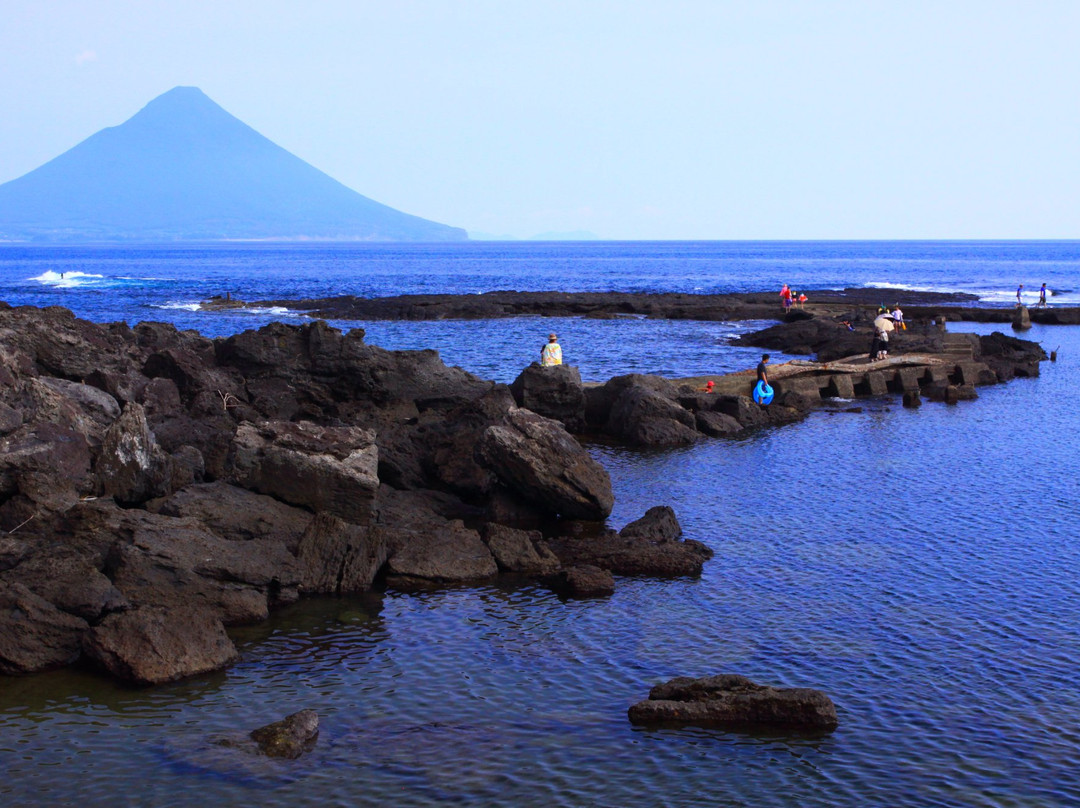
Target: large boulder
x: 644, y: 417
x: 177, y: 563
x: 332, y: 469
x: 446, y: 551
x: 152, y: 645
x: 733, y: 699
x: 338, y: 557
x: 34, y: 634
x: 553, y: 391
x: 535, y: 457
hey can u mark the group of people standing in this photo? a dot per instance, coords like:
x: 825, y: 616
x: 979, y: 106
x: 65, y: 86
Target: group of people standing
x: 1043, y: 291
x: 789, y: 297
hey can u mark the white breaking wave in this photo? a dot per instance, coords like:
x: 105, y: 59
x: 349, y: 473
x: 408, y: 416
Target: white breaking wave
x: 271, y: 310
x: 67, y: 279
x: 277, y: 311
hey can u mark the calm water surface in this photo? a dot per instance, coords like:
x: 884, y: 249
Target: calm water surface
x: 919, y: 566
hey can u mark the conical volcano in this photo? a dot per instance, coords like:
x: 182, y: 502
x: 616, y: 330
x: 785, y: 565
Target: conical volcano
x: 185, y: 169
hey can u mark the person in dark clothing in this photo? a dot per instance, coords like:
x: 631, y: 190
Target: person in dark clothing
x: 762, y: 373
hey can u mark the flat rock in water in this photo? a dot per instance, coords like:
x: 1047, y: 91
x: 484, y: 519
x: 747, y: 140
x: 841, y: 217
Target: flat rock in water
x: 733, y: 699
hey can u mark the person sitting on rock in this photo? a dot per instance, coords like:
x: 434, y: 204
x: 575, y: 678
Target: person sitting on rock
x: 551, y: 354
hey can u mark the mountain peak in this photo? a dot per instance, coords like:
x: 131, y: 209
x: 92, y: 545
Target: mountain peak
x: 185, y: 168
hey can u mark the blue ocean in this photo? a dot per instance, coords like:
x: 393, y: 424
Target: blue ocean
x: 920, y: 566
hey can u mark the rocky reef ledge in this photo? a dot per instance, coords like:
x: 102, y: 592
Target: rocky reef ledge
x: 842, y: 303
x: 157, y: 486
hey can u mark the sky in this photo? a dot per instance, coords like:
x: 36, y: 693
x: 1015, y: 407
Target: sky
x: 630, y: 120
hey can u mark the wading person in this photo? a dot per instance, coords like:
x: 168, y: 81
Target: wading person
x: 551, y: 354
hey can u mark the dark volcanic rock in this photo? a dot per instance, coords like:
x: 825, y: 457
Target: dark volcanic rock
x: 644, y: 417
x: 584, y: 581
x: 237, y: 514
x: 732, y: 699
x: 535, y: 457
x: 34, y: 634
x: 555, y: 392
x: 152, y: 645
x: 66, y: 578
x: 177, y: 563
x: 131, y: 466
x: 325, y: 468
x: 649, y: 546
x: 659, y: 524
x: 338, y: 557
x: 520, y: 551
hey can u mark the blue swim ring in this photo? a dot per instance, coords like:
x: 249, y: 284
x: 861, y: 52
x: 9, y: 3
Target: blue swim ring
x: 763, y: 393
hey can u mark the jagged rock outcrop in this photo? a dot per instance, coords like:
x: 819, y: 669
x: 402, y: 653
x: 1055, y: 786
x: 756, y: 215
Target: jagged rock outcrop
x: 535, y: 457
x: 733, y: 699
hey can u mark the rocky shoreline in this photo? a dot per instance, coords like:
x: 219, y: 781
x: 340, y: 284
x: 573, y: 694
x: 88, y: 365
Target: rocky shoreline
x: 157, y: 486
x: 844, y: 303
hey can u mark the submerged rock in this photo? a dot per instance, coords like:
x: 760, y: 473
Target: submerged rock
x: 290, y: 737
x: 733, y: 699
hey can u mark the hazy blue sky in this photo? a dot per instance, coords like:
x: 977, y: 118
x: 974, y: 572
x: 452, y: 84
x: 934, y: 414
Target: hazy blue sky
x: 633, y: 120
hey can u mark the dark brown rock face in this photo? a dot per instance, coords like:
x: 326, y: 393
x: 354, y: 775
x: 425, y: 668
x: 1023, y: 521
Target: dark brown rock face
x: 152, y: 645
x: 555, y: 392
x: 333, y: 469
x: 648, y: 546
x: 584, y: 581
x: 338, y: 557
x: 535, y: 457
x: 520, y: 551
x: 34, y: 634
x: 732, y: 699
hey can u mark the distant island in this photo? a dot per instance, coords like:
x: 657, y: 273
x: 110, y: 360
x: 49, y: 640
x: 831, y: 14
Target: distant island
x: 573, y: 235
x: 184, y: 169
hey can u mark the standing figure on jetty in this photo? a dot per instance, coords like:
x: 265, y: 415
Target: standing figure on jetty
x: 898, y: 318
x: 551, y: 354
x: 1042, y: 297
x: 762, y: 371
x: 1019, y: 289
x: 879, y: 349
x: 802, y: 298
